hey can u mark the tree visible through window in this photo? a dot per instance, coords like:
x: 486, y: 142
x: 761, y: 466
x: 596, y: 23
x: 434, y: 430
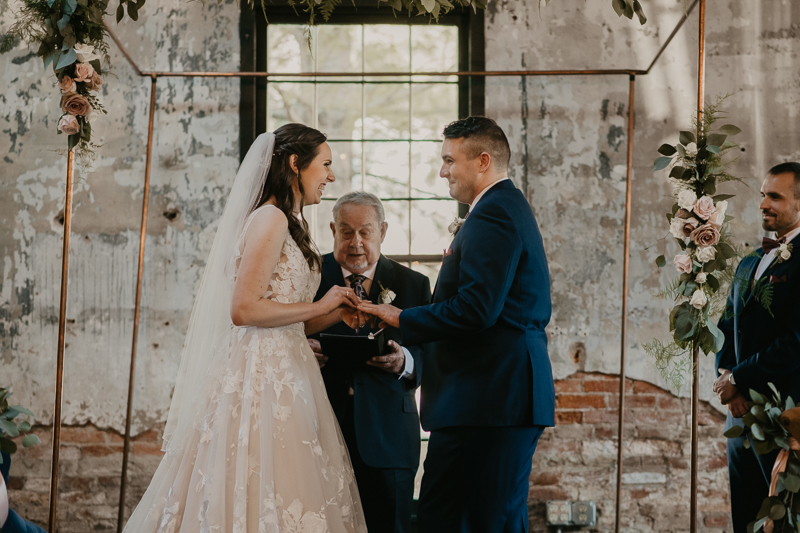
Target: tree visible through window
x: 385, y: 133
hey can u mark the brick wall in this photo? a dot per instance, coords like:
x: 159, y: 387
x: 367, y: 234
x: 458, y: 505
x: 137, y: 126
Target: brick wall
x: 575, y: 460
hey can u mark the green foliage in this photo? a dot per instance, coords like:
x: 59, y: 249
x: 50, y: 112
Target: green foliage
x: 780, y: 512
x: 671, y: 360
x: 9, y: 428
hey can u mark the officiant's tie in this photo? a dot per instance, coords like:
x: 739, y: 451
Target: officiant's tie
x: 770, y: 244
x: 357, y: 284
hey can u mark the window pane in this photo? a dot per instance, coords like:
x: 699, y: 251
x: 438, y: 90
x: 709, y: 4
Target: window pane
x: 339, y: 108
x: 429, y: 222
x: 387, y: 169
x: 287, y: 49
x: 346, y: 167
x: 426, y: 160
x: 289, y: 102
x: 319, y: 218
x: 434, y: 49
x: 435, y: 105
x: 387, y: 111
x: 386, y: 48
x: 397, y: 235
x: 339, y: 48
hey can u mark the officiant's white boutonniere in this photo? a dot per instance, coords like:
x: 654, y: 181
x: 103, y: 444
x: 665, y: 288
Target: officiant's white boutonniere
x: 386, y: 296
x: 784, y: 252
x: 455, y: 225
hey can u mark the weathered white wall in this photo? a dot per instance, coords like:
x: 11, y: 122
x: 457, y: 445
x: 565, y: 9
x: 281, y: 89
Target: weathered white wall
x: 568, y: 139
x: 195, y: 156
x: 572, y: 133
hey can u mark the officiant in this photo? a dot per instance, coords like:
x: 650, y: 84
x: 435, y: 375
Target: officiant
x: 374, y: 401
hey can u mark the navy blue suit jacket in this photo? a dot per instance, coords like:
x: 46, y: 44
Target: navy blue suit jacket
x: 385, y: 409
x: 14, y: 522
x: 486, y: 361
x: 762, y: 347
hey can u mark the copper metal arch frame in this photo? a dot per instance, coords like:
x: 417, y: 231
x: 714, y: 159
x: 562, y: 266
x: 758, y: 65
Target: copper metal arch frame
x: 153, y: 75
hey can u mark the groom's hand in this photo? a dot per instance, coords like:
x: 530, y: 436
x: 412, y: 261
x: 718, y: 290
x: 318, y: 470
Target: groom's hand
x: 389, y: 314
x: 316, y: 347
x: 738, y: 406
x: 723, y: 388
x: 393, y: 362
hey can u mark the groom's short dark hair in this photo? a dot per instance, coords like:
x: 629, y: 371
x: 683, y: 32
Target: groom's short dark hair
x: 788, y: 168
x: 484, y: 135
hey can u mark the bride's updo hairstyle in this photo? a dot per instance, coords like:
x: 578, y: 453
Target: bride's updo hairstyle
x: 304, y: 142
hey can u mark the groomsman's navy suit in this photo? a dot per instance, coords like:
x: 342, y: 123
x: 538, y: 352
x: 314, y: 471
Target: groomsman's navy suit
x: 379, y: 422
x: 487, y: 387
x: 760, y: 348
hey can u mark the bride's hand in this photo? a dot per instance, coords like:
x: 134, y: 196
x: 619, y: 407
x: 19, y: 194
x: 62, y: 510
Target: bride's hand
x: 389, y: 314
x: 338, y: 297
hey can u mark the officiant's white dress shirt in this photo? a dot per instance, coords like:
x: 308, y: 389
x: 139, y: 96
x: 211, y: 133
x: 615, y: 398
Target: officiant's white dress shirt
x: 767, y: 260
x: 408, y: 370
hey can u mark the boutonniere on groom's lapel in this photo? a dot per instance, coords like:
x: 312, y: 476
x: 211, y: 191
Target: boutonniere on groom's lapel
x: 784, y: 253
x: 386, y: 296
x: 455, y: 225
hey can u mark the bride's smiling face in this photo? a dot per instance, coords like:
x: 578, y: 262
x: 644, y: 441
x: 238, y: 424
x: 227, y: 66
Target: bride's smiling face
x: 316, y: 176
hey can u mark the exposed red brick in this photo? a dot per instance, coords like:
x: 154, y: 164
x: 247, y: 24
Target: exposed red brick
x: 601, y: 416
x: 580, y: 401
x: 100, y: 450
x: 605, y: 432
x: 147, y: 448
x: 669, y: 403
x: 546, y: 493
x: 569, y: 385
x: 568, y: 417
x: 718, y: 461
x: 114, y: 438
x: 148, y: 436
x: 546, y: 478
x: 81, y: 435
x: 638, y: 494
x: 632, y: 401
x: 642, y: 387
x: 716, y: 520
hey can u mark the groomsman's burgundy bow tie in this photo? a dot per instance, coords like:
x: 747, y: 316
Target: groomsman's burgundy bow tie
x: 357, y: 284
x: 770, y: 244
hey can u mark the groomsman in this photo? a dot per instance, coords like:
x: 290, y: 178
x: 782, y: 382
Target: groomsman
x: 375, y: 404
x: 487, y: 392
x: 762, y: 342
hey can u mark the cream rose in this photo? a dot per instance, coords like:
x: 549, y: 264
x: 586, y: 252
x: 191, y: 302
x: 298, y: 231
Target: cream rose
x: 717, y: 219
x: 683, y: 263
x: 69, y: 125
x: 67, y: 85
x: 701, y: 277
x: 93, y: 115
x: 699, y: 299
x: 85, y: 53
x: 722, y: 207
x: 705, y: 207
x: 687, y: 199
x: 75, y: 104
x: 691, y: 149
x: 706, y: 254
x: 784, y: 252
x: 705, y: 235
x: 676, y: 227
x: 83, y: 72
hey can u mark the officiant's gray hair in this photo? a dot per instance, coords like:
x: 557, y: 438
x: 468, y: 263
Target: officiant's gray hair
x: 359, y: 198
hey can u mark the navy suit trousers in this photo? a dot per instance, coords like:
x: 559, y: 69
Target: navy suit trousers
x: 749, y: 475
x: 476, y: 480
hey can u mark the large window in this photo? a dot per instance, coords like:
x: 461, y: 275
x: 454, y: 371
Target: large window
x: 385, y: 132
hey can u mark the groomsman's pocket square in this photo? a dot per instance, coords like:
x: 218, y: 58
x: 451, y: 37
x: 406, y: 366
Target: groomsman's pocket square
x: 776, y: 279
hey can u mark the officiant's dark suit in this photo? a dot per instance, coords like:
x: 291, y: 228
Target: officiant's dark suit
x: 379, y: 420
x: 487, y: 390
x: 762, y: 345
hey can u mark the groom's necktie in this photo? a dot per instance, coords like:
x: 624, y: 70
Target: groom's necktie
x: 357, y: 284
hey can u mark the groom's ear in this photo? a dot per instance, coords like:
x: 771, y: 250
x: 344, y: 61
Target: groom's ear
x: 485, y: 162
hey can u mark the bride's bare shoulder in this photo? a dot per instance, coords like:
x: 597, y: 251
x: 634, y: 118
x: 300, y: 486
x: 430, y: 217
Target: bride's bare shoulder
x: 268, y: 223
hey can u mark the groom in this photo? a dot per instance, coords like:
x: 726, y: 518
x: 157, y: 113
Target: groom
x: 487, y: 385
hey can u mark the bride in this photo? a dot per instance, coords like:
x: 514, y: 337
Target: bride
x: 252, y: 444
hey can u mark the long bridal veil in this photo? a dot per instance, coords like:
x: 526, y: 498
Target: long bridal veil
x: 211, y: 320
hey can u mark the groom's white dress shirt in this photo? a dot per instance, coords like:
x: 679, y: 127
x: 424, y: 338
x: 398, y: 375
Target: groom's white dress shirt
x: 767, y: 260
x: 408, y: 370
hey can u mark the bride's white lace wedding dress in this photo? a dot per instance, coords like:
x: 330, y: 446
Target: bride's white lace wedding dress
x: 268, y: 456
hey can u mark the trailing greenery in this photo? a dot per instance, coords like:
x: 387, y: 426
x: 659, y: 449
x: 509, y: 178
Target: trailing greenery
x: 707, y: 256
x: 775, y: 425
x: 10, y: 428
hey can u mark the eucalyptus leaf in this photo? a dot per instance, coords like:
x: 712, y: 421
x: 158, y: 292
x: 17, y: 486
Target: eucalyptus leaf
x: 63, y: 21
x: 713, y: 282
x: 734, y: 431
x: 637, y: 8
x: 792, y: 483
x: 67, y: 58
x: 7, y: 445
x: 9, y: 427
x: 133, y: 11
x: 120, y: 13
x: 730, y: 129
x: 777, y: 511
x: 719, y: 336
x: 677, y: 172
x: 717, y: 139
x: 775, y: 390
x: 661, y: 261
x: 30, y: 440
x: 789, y: 403
x: 666, y: 149
x: 687, y: 137
x: 619, y: 7
x: 681, y: 150
x: 721, y: 197
x: 757, y: 432
x: 661, y: 163
x: 70, y: 6
x: 25, y: 426
x: 712, y: 148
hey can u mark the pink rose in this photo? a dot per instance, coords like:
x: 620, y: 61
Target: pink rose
x: 83, y: 72
x: 705, y: 235
x: 75, y: 104
x: 717, y: 219
x: 67, y: 85
x: 96, y: 82
x: 705, y: 207
x: 683, y: 263
x: 69, y: 125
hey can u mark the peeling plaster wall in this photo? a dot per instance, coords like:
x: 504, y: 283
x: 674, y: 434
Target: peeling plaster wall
x: 568, y: 135
x: 195, y: 157
x: 569, y: 141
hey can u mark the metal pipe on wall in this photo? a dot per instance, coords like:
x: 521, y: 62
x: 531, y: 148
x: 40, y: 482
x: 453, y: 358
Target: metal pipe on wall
x: 137, y: 309
x: 624, y: 320
x: 62, y: 323
x: 701, y: 74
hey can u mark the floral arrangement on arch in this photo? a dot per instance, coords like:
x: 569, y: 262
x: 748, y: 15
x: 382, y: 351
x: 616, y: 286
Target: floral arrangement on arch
x: 698, y: 222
